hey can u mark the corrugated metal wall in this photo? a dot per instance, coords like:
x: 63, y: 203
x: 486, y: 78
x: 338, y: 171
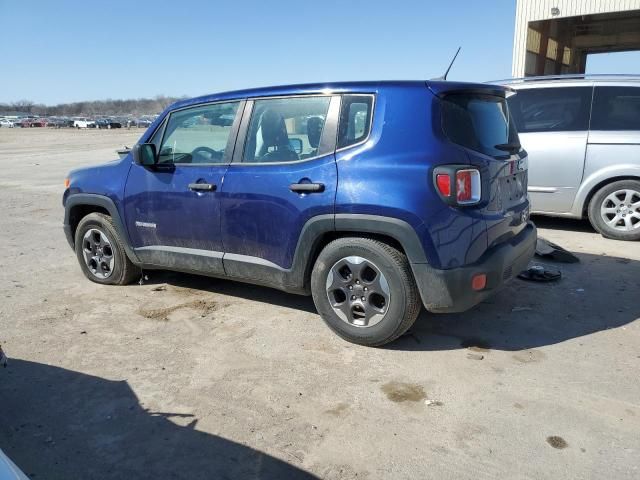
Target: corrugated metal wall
x: 532, y: 10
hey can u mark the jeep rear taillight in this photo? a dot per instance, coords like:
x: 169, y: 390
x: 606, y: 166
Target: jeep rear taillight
x: 458, y: 185
x: 468, y: 186
x: 443, y: 182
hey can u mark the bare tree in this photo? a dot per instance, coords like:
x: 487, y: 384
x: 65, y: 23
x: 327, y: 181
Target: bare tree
x: 112, y: 107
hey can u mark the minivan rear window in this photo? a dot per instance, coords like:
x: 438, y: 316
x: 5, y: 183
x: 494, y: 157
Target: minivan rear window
x: 616, y: 108
x: 479, y: 122
x: 558, y: 109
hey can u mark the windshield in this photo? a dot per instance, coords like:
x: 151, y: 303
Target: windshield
x: 480, y: 122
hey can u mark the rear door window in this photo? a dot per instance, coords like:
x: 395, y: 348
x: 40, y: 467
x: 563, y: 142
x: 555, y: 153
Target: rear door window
x: 286, y: 129
x: 616, y: 108
x: 561, y: 109
x: 479, y: 122
x: 355, y: 119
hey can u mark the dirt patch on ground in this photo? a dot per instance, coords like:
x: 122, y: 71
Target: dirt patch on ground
x: 529, y: 356
x: 338, y: 410
x: 403, y: 392
x: 203, y: 307
x: 557, y: 442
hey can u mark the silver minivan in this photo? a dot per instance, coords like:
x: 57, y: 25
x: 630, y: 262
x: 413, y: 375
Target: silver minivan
x: 582, y: 134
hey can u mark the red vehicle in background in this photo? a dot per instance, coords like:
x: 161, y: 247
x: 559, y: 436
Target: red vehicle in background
x: 39, y: 122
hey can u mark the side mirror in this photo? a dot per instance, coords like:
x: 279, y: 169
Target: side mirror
x: 145, y: 154
x: 296, y: 145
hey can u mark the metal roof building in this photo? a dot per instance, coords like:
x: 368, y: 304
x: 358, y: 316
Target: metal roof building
x: 555, y: 36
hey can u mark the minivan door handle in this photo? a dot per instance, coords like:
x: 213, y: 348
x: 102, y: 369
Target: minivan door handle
x: 306, y: 187
x: 202, y: 187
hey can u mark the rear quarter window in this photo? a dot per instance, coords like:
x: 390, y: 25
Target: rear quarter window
x: 355, y: 119
x: 478, y: 122
x: 616, y: 108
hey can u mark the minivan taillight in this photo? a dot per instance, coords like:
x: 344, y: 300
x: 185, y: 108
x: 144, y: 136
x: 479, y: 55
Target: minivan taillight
x: 458, y: 185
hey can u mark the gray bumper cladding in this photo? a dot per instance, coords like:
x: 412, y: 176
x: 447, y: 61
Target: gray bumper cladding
x: 450, y: 290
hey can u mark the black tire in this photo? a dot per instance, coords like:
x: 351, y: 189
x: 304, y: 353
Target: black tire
x: 123, y: 271
x: 404, y: 300
x: 600, y: 199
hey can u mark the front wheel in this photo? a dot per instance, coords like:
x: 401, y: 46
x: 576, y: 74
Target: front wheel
x: 100, y: 252
x: 614, y: 210
x: 364, y: 291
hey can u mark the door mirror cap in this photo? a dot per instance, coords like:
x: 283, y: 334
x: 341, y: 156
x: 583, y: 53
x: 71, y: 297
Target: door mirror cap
x: 145, y: 154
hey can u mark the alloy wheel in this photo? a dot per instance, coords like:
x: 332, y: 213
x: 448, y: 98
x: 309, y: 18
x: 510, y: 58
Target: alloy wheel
x: 620, y: 210
x: 98, y: 253
x: 358, y: 291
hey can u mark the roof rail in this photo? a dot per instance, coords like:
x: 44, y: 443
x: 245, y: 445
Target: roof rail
x: 571, y: 76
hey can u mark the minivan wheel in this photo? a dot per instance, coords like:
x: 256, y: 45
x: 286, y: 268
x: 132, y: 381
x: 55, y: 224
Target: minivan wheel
x: 364, y: 290
x: 100, y: 252
x: 614, y: 210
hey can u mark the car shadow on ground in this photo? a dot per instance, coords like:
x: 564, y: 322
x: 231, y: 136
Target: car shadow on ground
x: 558, y: 223
x: 596, y: 294
x: 61, y: 424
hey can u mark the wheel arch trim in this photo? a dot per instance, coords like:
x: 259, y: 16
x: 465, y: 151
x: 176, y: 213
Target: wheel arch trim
x: 599, y: 179
x: 296, y: 278
x: 95, y: 200
x: 358, y: 224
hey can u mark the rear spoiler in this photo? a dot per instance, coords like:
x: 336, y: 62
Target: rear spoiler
x: 441, y: 89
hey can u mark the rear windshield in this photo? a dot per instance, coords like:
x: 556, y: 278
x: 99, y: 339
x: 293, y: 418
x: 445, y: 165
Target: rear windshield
x: 480, y: 122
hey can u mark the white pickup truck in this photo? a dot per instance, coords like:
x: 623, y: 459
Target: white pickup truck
x: 82, y: 122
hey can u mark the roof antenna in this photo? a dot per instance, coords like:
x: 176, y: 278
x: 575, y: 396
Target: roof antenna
x: 444, y: 77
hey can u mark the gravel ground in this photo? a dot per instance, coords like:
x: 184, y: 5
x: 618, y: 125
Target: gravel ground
x: 189, y: 377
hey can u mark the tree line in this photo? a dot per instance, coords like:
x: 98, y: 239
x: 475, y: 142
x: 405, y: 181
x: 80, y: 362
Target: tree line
x: 136, y: 107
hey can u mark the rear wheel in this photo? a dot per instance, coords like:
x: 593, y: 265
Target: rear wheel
x: 100, y: 252
x: 364, y: 291
x: 614, y: 210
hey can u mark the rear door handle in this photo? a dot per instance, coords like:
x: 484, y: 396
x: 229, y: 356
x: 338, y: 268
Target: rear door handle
x: 306, y: 187
x: 202, y: 187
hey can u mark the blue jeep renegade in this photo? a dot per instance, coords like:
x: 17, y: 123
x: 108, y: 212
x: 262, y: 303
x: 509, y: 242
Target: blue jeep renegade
x: 374, y: 197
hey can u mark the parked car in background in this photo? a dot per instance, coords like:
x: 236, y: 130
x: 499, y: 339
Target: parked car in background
x: 25, y: 123
x: 143, y: 122
x: 582, y: 133
x: 6, y: 123
x: 40, y: 122
x: 65, y: 123
x: 374, y: 197
x: 107, y: 123
x: 83, y: 122
x: 58, y: 122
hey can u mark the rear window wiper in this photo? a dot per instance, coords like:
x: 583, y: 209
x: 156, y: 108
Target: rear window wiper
x: 508, y: 147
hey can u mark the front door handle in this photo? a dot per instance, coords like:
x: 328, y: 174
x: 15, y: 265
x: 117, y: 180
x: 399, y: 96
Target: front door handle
x: 202, y: 187
x: 306, y: 187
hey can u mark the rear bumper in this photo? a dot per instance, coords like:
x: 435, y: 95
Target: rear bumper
x: 450, y: 290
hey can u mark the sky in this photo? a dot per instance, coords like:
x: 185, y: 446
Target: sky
x: 65, y: 50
